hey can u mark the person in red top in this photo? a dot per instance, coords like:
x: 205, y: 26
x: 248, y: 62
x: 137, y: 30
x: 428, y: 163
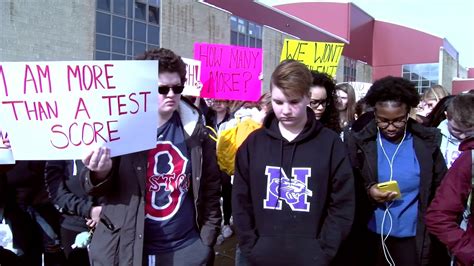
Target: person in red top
x: 442, y: 217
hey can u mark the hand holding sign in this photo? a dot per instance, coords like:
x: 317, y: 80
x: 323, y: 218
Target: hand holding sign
x: 99, y: 162
x: 5, y: 140
x: 6, y: 155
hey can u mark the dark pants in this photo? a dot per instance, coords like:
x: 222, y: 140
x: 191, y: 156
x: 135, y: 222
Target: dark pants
x: 35, y: 231
x: 240, y: 258
x: 67, y: 239
x: 402, y: 250
x: 7, y: 257
x: 195, y: 254
x: 77, y: 256
x: 226, y: 199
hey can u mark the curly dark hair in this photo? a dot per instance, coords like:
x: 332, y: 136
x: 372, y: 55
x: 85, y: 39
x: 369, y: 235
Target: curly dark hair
x: 330, y: 117
x: 169, y: 61
x: 393, y: 89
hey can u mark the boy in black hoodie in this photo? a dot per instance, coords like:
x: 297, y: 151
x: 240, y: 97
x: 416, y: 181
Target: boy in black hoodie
x: 293, y: 196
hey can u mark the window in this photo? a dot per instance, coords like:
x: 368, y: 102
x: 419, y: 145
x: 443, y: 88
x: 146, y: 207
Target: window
x: 424, y: 76
x: 245, y: 33
x: 350, y: 69
x: 126, y: 28
x: 103, y: 5
x: 119, y: 7
x: 153, y: 16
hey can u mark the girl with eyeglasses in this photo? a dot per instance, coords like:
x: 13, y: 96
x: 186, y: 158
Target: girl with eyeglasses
x: 323, y: 100
x: 395, y: 148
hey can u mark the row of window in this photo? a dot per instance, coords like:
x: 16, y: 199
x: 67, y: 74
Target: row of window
x: 245, y: 33
x: 125, y: 8
x: 349, y: 73
x: 126, y: 28
x: 424, y: 76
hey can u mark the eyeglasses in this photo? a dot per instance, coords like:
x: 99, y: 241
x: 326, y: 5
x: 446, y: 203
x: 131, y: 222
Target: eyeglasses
x: 316, y: 103
x: 386, y: 124
x: 219, y: 102
x: 164, y: 90
x: 460, y: 133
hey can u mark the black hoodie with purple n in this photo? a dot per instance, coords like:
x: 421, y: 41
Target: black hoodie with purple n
x: 293, y: 201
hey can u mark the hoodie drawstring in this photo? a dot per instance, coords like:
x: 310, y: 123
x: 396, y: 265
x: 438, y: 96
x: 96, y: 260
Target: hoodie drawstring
x: 292, y: 154
x: 279, y: 174
x: 293, y: 150
x: 74, y: 167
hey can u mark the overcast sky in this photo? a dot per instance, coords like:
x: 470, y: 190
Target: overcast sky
x: 453, y: 19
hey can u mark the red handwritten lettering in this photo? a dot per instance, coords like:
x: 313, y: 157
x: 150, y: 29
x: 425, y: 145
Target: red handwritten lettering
x: 4, y: 80
x: 83, y: 134
x: 123, y: 104
x: 81, y: 107
x: 35, y: 110
x: 144, y: 93
x: 112, y: 131
x: 107, y: 76
x: 89, y: 77
x: 29, y: 77
x: 13, y: 107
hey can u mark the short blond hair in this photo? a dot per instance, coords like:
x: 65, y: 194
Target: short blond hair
x: 293, y: 78
x: 437, y: 92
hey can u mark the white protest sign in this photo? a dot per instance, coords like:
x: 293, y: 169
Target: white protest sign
x: 6, y: 154
x: 60, y: 110
x: 193, y: 83
x: 360, y: 88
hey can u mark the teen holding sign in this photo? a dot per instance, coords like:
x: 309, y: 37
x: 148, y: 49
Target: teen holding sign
x: 161, y: 205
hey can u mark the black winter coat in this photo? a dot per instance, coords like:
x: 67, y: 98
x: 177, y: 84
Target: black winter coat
x: 67, y: 194
x: 363, y: 152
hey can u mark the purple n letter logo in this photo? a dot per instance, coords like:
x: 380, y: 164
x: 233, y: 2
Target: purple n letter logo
x: 293, y: 191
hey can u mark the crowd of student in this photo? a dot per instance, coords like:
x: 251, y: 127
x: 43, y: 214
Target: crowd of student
x: 307, y: 176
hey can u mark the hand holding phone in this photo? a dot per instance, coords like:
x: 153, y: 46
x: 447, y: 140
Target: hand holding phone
x: 390, y: 186
x: 386, y: 192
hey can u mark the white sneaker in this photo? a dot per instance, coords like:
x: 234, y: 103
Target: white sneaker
x: 227, y: 231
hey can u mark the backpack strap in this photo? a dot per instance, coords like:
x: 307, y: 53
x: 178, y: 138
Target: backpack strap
x: 213, y: 137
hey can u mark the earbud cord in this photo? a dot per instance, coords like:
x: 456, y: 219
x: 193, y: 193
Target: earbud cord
x: 390, y: 161
x: 386, y: 252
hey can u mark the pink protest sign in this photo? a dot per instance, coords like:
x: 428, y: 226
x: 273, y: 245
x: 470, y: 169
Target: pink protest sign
x: 229, y: 72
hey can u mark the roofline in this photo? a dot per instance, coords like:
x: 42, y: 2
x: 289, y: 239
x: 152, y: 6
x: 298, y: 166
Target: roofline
x: 302, y: 21
x: 365, y: 12
x: 272, y: 28
x: 213, y: 6
x: 462, y: 79
x: 408, y: 27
